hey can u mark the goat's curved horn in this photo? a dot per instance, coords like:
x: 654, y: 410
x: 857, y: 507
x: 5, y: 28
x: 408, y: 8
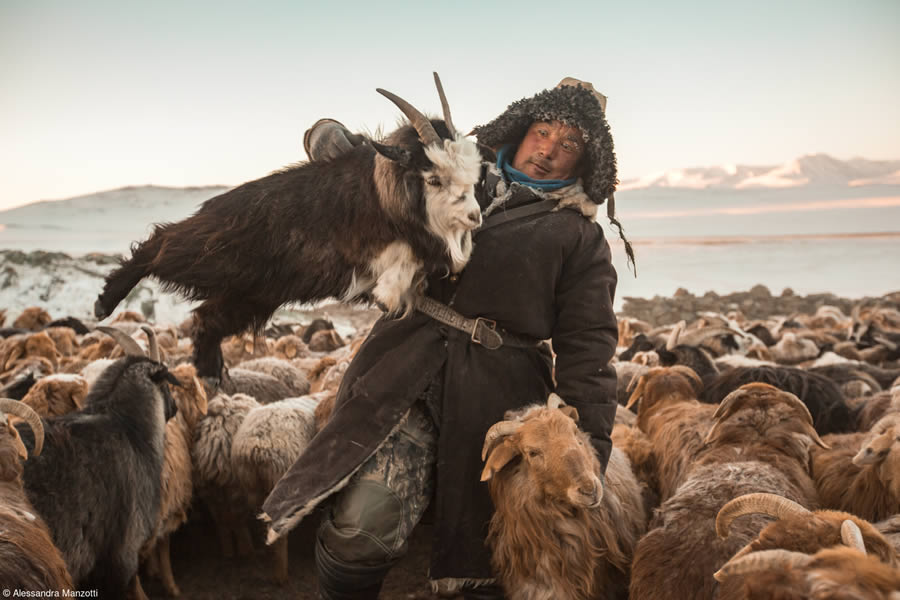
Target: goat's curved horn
x: 498, y: 430
x: 762, y: 561
x: 639, y: 388
x: 852, y: 536
x: 423, y: 126
x: 445, y: 106
x: 672, y: 341
x: 27, y: 414
x: 752, y: 504
x: 129, y: 346
x: 152, y: 343
x: 726, y: 407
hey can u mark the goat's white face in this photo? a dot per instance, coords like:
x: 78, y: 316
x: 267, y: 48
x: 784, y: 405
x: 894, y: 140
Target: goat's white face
x: 450, y: 204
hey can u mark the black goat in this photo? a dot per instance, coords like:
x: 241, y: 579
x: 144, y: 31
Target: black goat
x: 370, y: 223
x: 97, y: 482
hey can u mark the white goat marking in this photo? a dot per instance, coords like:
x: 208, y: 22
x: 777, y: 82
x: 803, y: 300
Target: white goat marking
x: 448, y: 206
x: 394, y: 270
x: 359, y: 285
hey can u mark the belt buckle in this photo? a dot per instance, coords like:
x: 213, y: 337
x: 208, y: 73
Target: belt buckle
x: 495, y: 340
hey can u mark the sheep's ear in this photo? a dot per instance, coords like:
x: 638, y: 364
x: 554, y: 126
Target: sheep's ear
x: 569, y: 411
x: 498, y: 458
x: 19, y: 444
x: 397, y: 154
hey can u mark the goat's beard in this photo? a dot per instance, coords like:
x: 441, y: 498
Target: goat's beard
x: 447, y: 225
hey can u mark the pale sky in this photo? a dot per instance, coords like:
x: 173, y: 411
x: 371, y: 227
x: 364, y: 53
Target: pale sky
x: 103, y: 94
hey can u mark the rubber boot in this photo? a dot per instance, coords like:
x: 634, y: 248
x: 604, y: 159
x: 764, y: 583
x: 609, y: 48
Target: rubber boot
x: 344, y: 581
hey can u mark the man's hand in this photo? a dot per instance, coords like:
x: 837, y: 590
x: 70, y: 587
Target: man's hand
x: 328, y: 139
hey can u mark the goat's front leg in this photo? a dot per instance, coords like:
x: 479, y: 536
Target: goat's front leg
x: 395, y: 269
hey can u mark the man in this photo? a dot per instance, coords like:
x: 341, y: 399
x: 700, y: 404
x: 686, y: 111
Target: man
x: 415, y: 404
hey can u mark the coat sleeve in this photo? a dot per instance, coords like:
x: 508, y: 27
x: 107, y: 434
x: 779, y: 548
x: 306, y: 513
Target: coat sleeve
x: 585, y: 336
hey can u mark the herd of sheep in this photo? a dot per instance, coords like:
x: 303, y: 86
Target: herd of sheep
x: 752, y: 459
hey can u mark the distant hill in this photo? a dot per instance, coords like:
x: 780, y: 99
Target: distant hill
x: 811, y: 170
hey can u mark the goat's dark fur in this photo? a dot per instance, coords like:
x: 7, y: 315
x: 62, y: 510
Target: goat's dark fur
x: 97, y: 482
x: 822, y: 397
x: 297, y: 235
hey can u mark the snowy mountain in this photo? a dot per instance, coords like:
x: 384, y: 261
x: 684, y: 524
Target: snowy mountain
x: 810, y: 170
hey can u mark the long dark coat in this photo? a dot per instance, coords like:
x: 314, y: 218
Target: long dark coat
x: 548, y: 276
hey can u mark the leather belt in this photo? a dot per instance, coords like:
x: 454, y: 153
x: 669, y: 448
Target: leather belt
x: 481, y: 331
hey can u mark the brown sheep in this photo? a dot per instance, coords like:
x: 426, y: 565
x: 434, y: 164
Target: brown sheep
x: 57, y: 395
x: 890, y: 529
x: 557, y: 531
x: 759, y: 443
x: 872, y: 409
x: 28, y: 559
x: 17, y: 347
x: 674, y: 421
x: 799, y: 529
x: 128, y: 316
x: 838, y: 573
x: 33, y: 318
x: 289, y: 347
x: 64, y: 338
x: 177, y: 478
x: 861, y: 473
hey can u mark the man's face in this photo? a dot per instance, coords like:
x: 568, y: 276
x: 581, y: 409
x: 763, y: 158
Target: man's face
x: 549, y: 150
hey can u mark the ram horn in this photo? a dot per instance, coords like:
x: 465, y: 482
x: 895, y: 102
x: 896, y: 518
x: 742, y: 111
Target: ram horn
x: 445, y: 106
x: 498, y: 430
x: 27, y: 414
x: 725, y: 407
x: 672, y: 340
x: 852, y: 536
x: 753, y: 504
x: 421, y: 123
x: 554, y: 401
x: 152, y: 342
x: 764, y: 560
x: 129, y: 346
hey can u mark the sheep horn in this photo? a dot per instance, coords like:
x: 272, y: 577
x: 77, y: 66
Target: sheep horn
x: 726, y: 406
x: 498, y: 430
x: 152, y: 343
x: 762, y: 561
x: 129, y: 346
x: 674, y: 334
x: 752, y: 504
x: 638, y: 389
x: 445, y: 106
x: 852, y: 536
x: 687, y: 372
x: 27, y: 414
x: 423, y: 126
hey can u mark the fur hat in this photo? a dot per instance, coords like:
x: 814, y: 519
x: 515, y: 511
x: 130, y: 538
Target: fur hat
x: 576, y: 106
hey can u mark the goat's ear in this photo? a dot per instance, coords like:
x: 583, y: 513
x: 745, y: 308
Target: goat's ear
x: 397, y: 154
x: 569, y: 411
x: 163, y: 374
x: 498, y: 458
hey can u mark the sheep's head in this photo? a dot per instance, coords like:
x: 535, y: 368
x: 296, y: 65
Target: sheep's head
x: 449, y: 167
x: 765, y: 410
x: 32, y: 318
x: 881, y: 448
x: 557, y: 457
x: 663, y: 385
x: 802, y: 530
x: 190, y: 396
x: 11, y: 447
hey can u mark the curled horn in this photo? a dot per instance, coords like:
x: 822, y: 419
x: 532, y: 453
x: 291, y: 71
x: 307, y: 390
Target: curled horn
x: 445, y: 106
x: 124, y: 340
x: 498, y: 430
x: 639, y: 384
x: 423, y: 126
x: 674, y: 334
x: 27, y: 414
x: 763, y: 560
x: 687, y: 372
x: 759, y: 503
x: 852, y: 536
x: 152, y: 343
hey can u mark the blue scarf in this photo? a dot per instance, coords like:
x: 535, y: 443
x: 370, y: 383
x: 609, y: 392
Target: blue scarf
x: 511, y: 174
